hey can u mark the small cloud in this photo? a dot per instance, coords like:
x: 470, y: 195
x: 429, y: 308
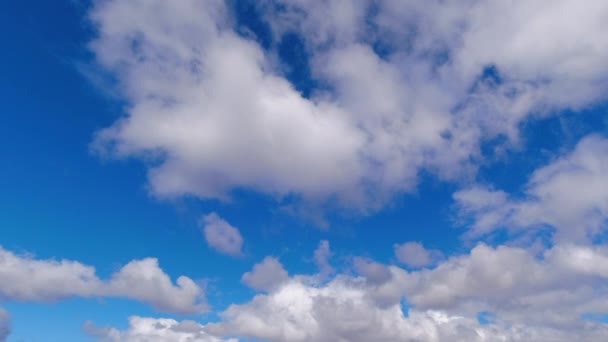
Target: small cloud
x: 221, y: 235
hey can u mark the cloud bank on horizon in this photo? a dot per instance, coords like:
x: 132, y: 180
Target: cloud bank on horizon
x: 391, y: 90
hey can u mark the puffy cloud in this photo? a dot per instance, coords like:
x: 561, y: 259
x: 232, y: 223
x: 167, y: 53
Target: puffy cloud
x: 414, y: 254
x: 153, y: 330
x: 29, y: 279
x: 266, y: 275
x: 213, y: 111
x: 207, y: 101
x: 556, y: 290
x: 532, y: 299
x: 5, y: 325
x: 570, y: 194
x: 222, y: 236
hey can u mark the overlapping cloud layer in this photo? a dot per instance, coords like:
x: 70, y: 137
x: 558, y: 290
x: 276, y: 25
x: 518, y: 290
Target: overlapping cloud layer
x: 401, y: 87
x: 406, y: 86
x: 527, y: 298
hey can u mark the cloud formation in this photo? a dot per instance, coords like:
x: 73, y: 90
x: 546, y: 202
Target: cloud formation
x: 221, y: 235
x: 25, y: 278
x: 409, y: 87
x: 570, y: 195
x: 530, y: 298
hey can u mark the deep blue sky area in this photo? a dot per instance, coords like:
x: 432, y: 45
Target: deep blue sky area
x: 61, y: 200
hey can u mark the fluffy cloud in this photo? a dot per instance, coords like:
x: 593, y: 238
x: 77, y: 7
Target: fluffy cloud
x: 153, y: 330
x: 222, y: 236
x: 5, y: 325
x: 414, y: 254
x: 266, y: 275
x: 410, y: 86
x: 570, y: 194
x: 532, y: 299
x: 28, y: 279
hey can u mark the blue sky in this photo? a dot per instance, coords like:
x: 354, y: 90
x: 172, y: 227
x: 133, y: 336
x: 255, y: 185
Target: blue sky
x: 315, y: 171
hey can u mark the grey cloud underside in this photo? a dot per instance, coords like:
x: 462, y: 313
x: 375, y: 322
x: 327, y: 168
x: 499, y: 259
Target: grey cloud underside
x: 217, y: 114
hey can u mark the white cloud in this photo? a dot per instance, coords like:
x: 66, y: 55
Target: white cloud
x: 214, y: 113
x: 153, y: 330
x: 570, y: 194
x: 28, y: 279
x: 5, y: 325
x: 266, y: 275
x: 414, y: 254
x: 533, y: 300
x: 222, y: 236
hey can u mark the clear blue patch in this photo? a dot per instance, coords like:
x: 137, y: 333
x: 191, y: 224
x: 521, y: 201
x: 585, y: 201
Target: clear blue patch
x: 405, y: 308
x: 486, y: 317
x: 595, y: 317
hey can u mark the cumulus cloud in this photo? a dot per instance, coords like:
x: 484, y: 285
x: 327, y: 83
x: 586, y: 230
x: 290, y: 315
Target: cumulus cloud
x: 531, y: 299
x: 153, y: 330
x: 221, y: 235
x: 5, y: 325
x: 409, y: 86
x: 266, y: 275
x: 570, y: 194
x: 414, y: 254
x: 28, y: 279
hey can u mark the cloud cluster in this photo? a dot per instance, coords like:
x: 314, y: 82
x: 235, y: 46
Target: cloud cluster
x: 407, y: 86
x: 27, y: 279
x: 529, y: 299
x: 570, y: 195
x: 404, y: 87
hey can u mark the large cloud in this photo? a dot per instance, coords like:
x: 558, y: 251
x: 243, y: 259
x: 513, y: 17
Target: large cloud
x: 523, y: 297
x: 27, y: 279
x: 530, y: 298
x: 570, y: 194
x: 408, y: 86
